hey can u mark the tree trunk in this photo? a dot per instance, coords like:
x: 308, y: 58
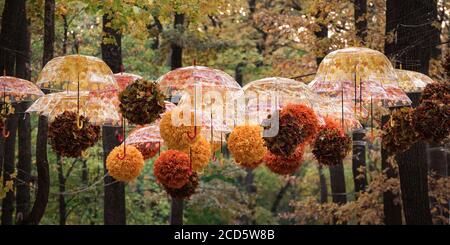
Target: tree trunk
x: 62, y: 189
x: 8, y: 169
x: 65, y: 34
x: 359, y: 161
x: 279, y: 197
x: 361, y: 19
x: 321, y: 34
x: 337, y: 180
x: 176, y: 59
x: 49, y: 31
x: 114, y: 204
x: 176, y: 211
x: 41, y: 201
x: 414, y: 43
x: 392, y: 210
x: 9, y: 35
x: 413, y: 172
x: 24, y: 163
x: 323, y: 185
x: 114, y: 201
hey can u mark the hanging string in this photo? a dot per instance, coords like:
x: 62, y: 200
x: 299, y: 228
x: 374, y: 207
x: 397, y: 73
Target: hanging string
x: 371, y: 117
x: 124, y: 140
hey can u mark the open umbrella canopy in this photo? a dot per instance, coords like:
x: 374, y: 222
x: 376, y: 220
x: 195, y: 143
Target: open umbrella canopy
x: 411, y: 81
x: 13, y: 89
x: 193, y: 78
x: 65, y: 73
x: 100, y: 111
x: 285, y: 89
x: 124, y: 79
x: 145, y: 134
x: 359, y: 74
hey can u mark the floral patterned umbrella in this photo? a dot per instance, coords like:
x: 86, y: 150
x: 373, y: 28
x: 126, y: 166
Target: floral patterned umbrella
x: 124, y: 79
x: 100, y: 111
x: 359, y: 74
x: 188, y: 79
x: 286, y: 91
x: 14, y: 89
x: 411, y: 81
x: 77, y: 72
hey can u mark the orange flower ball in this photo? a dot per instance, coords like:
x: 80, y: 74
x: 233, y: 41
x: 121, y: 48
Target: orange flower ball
x: 178, y: 137
x: 306, y: 118
x: 126, y: 169
x: 199, y: 153
x: 172, y: 169
x: 246, y: 145
x: 285, y: 165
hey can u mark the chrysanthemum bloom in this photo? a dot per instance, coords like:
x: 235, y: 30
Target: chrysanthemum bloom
x: 125, y: 167
x: 397, y: 135
x: 187, y: 190
x: 199, y: 153
x: 67, y: 139
x: 178, y: 137
x: 172, y: 169
x: 285, y: 165
x: 331, y: 144
x: 246, y: 145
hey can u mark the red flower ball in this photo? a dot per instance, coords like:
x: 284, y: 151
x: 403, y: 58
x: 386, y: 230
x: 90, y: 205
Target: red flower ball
x: 285, y: 165
x: 187, y: 190
x: 172, y: 169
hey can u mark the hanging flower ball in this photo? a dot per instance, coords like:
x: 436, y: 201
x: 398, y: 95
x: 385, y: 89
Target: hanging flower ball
x: 142, y: 102
x: 125, y: 167
x: 297, y: 124
x: 66, y: 139
x: 436, y: 91
x: 285, y: 165
x: 199, y: 153
x: 172, y: 169
x: 178, y: 137
x: 331, y: 144
x: 186, y: 190
x: 397, y: 135
x: 431, y: 120
x: 246, y: 145
x: 148, y: 150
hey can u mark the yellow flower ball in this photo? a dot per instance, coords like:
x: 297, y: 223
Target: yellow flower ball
x: 180, y: 137
x: 126, y: 169
x: 200, y: 153
x: 246, y: 145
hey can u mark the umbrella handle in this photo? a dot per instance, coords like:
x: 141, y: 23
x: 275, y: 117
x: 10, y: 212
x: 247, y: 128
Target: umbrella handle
x: 79, y: 122
x: 124, y: 153
x: 5, y: 132
x: 85, y: 154
x: 190, y: 136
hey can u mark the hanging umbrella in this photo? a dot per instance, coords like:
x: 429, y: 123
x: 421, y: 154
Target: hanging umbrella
x: 99, y: 110
x: 411, y: 81
x: 359, y: 75
x: 124, y: 79
x: 187, y: 79
x: 17, y: 90
x: 77, y: 72
x: 260, y: 93
x: 14, y: 90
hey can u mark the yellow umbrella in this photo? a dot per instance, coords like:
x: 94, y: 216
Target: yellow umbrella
x: 100, y: 111
x: 77, y: 72
x: 411, y: 81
